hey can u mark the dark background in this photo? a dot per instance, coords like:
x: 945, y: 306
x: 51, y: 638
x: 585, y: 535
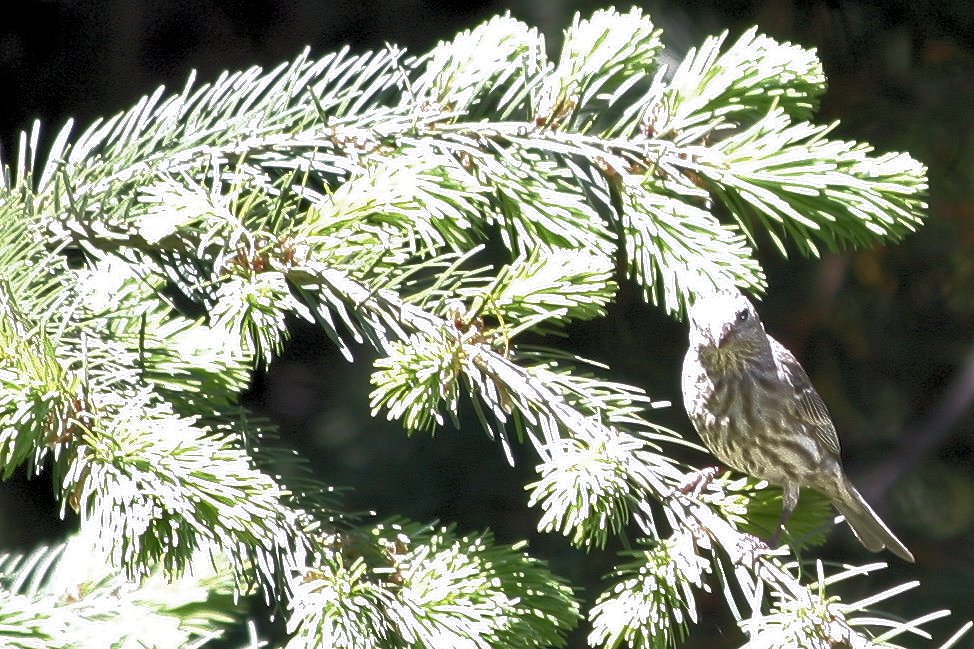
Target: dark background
x: 885, y: 333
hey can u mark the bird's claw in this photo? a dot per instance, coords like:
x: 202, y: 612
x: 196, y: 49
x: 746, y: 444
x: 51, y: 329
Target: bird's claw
x: 695, y: 482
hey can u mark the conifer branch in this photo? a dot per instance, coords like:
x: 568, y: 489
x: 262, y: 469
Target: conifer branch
x: 66, y: 596
x: 365, y: 193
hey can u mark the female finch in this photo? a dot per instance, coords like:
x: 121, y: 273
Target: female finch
x: 756, y: 410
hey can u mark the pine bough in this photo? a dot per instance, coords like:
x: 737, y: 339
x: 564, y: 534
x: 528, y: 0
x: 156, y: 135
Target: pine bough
x: 150, y: 263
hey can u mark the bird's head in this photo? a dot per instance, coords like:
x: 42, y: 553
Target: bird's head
x: 725, y: 327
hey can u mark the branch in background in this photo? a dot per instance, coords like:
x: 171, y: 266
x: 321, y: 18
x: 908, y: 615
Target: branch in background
x: 926, y: 435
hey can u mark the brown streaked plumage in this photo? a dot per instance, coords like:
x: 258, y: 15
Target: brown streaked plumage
x: 756, y: 410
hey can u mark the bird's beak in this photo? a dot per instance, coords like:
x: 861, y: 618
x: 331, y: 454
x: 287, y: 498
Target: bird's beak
x: 723, y: 334
x: 714, y: 334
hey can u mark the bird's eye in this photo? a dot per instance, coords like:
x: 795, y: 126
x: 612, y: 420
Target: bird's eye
x: 743, y: 315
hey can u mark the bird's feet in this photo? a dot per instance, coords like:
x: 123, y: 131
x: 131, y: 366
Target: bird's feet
x: 696, y: 481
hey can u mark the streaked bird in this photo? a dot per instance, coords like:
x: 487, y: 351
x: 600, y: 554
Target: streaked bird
x: 756, y: 410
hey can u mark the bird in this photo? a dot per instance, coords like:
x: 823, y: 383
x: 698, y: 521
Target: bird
x: 756, y: 410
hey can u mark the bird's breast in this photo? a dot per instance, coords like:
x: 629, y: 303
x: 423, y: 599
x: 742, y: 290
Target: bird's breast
x: 740, y: 415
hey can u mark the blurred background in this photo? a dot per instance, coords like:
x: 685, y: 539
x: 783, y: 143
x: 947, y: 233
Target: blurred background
x: 887, y: 334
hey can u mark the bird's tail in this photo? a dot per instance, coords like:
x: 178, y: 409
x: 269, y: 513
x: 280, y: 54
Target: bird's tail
x: 866, y: 524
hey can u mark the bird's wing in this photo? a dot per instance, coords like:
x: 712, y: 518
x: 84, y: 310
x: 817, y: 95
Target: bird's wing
x: 810, y: 405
